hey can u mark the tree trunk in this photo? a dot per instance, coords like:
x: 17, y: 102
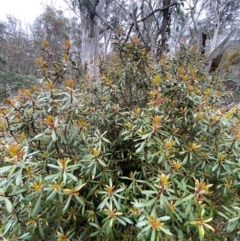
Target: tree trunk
x: 213, y: 45
x: 90, y: 35
x: 165, y: 25
x: 215, y: 52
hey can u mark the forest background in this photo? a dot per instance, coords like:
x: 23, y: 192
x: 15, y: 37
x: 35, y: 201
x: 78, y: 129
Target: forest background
x: 160, y: 26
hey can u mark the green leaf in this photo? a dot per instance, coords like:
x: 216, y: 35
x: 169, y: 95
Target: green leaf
x: 140, y: 148
x: 166, y: 231
x: 142, y: 223
x: 9, y: 224
x: 37, y: 206
x: 215, y: 167
x: 120, y: 221
x: 101, y: 162
x: 233, y: 219
x: 80, y: 200
x: 67, y: 204
x: 153, y: 235
x: 5, y: 169
x: 232, y: 226
x: 127, y: 220
x: 164, y: 218
x: 53, y: 176
x: 37, y: 137
x: 64, y: 177
x: 19, y: 177
x: 94, y: 234
x: 222, y: 215
x: 25, y: 236
x: 116, y: 203
x: 185, y: 160
x: 10, y: 174
x: 71, y: 176
x: 146, y: 135
x: 20, y: 191
x: 54, y: 136
x: 53, y: 166
x: 145, y: 204
x: 148, y: 192
x: 40, y: 228
x: 161, y: 157
x: 52, y: 195
x: 189, y: 197
x: 8, y: 205
x: 181, y: 186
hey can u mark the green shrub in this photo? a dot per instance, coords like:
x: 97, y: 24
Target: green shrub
x: 87, y: 165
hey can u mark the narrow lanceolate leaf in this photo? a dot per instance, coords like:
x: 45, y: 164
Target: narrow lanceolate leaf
x: 71, y: 176
x: 165, y: 218
x: 54, y: 136
x: 145, y: 204
x: 127, y: 220
x: 153, y: 235
x: 208, y: 226
x: 201, y: 231
x: 5, y: 169
x: 233, y: 219
x: 101, y: 162
x: 37, y: 206
x: 67, y: 204
x: 237, y: 208
x: 8, y: 205
x: 19, y: 177
x: 80, y: 200
x: 166, y: 231
x: 120, y: 221
x: 53, y: 166
x: 79, y: 187
x: 184, y: 199
x: 25, y: 236
x: 140, y: 148
x: 38, y: 136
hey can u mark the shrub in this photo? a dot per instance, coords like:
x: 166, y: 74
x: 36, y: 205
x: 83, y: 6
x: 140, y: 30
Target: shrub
x: 85, y: 165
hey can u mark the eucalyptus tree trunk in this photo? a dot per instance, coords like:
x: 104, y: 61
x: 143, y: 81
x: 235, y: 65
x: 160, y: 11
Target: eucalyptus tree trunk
x: 220, y: 11
x: 89, y: 10
x: 213, y: 45
x: 165, y: 24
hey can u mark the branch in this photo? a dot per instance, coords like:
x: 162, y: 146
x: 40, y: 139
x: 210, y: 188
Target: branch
x: 218, y: 48
x: 149, y: 15
x: 129, y: 31
x: 95, y: 4
x: 157, y: 10
x: 104, y: 21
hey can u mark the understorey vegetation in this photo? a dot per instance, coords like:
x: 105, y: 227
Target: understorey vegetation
x: 148, y: 152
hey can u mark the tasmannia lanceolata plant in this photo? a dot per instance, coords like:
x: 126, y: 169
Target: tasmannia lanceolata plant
x: 80, y: 164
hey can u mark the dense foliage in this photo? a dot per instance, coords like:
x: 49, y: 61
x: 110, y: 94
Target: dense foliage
x: 151, y: 158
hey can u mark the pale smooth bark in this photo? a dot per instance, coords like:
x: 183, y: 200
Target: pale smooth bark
x: 90, y: 36
x: 215, y: 10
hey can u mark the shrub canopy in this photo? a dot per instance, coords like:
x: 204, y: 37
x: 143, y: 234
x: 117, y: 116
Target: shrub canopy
x: 148, y: 154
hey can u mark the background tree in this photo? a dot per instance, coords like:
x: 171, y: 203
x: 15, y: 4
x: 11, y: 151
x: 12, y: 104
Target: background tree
x: 53, y: 27
x: 17, y: 65
x: 150, y: 21
x: 207, y: 24
x: 89, y: 12
x: 17, y: 48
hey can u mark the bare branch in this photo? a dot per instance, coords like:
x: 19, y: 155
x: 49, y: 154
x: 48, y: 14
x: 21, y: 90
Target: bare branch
x: 157, y: 10
x: 213, y: 54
